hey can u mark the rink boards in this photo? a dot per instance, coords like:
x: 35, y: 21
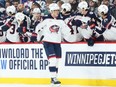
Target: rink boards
x: 80, y: 64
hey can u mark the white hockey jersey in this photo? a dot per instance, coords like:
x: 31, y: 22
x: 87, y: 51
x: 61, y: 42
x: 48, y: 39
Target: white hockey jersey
x: 2, y: 35
x: 109, y: 23
x: 74, y: 35
x: 53, y: 30
x: 12, y: 34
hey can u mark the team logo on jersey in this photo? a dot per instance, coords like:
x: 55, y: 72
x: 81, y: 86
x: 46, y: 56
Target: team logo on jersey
x: 54, y: 29
x: 105, y: 20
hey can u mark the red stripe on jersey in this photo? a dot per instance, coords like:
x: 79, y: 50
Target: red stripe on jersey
x: 8, y: 24
x: 51, y: 57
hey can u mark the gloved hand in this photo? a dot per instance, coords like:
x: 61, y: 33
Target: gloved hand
x: 34, y: 37
x: 92, y: 24
x: 77, y: 23
x: 25, y: 39
x: 90, y: 42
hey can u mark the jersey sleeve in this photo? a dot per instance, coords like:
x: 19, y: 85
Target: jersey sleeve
x: 106, y: 23
x: 40, y: 26
x: 65, y: 29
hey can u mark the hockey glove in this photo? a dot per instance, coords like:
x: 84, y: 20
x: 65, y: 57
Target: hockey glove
x: 91, y: 24
x: 25, y: 39
x: 90, y: 42
x: 100, y: 38
x: 77, y: 23
x: 34, y: 37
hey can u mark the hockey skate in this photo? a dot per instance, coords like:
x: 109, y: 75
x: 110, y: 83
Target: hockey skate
x: 55, y: 82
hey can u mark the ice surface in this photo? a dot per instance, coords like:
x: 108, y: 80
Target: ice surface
x: 22, y: 85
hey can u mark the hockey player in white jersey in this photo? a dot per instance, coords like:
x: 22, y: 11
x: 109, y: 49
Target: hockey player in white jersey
x: 68, y: 17
x: 86, y: 16
x: 13, y: 28
x: 22, y: 27
x: 74, y: 35
x: 53, y: 29
x: 66, y: 10
x: 10, y: 10
x: 107, y: 31
x: 26, y: 12
x: 36, y: 19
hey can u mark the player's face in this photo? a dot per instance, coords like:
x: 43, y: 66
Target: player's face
x: 83, y: 11
x: 55, y: 13
x: 36, y: 16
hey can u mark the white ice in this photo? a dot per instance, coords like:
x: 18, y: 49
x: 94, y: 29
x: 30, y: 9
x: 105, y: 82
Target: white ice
x: 21, y: 85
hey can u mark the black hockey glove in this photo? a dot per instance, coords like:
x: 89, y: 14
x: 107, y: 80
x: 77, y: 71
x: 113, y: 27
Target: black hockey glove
x: 90, y: 42
x: 25, y: 39
x: 34, y: 37
x: 77, y: 23
x: 100, y: 38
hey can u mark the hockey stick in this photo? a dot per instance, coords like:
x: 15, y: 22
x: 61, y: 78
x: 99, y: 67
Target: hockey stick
x: 41, y: 39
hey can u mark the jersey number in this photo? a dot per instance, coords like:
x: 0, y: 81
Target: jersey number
x: 12, y: 29
x: 70, y: 26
